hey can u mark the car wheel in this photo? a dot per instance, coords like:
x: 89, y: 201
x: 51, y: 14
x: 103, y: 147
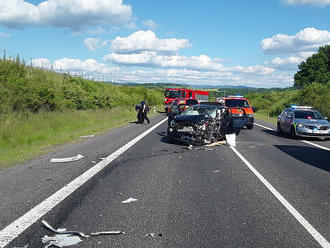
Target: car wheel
x: 250, y: 126
x: 278, y: 129
x: 293, y: 132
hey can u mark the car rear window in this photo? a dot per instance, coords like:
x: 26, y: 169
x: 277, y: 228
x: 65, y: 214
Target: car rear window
x: 236, y: 103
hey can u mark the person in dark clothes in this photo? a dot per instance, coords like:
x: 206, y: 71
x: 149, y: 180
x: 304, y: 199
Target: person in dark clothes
x: 143, y: 110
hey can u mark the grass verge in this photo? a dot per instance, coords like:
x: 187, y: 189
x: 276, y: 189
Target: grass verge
x: 265, y: 116
x: 24, y: 136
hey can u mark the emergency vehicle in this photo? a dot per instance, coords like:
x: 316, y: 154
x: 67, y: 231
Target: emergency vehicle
x: 172, y: 94
x: 239, y: 106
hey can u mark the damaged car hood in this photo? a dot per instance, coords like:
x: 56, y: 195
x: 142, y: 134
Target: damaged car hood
x: 191, y: 119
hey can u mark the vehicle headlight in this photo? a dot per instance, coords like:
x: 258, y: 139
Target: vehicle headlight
x: 300, y: 125
x: 172, y: 124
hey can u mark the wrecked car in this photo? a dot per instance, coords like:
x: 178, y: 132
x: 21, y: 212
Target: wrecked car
x: 204, y: 124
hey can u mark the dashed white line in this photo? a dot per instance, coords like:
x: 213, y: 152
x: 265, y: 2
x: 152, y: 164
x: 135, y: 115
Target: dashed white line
x: 14, y: 229
x: 312, y: 231
x: 304, y: 141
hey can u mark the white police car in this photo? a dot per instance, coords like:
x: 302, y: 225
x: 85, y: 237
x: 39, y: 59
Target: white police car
x: 303, y: 121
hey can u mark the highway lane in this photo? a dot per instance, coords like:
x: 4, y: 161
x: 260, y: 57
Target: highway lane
x: 202, y: 198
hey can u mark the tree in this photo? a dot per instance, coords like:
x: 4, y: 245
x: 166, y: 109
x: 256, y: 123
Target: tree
x: 315, y: 69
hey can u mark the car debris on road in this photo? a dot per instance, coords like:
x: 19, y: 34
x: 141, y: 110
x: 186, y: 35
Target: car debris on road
x: 129, y: 200
x: 65, y: 160
x: 68, y: 238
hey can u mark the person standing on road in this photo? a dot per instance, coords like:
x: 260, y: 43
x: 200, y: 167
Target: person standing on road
x: 144, y: 111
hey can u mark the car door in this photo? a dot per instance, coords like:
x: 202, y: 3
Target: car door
x: 288, y: 120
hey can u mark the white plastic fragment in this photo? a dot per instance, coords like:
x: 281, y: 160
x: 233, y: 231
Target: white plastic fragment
x: 190, y: 147
x: 231, y: 139
x: 65, y: 160
x: 216, y: 171
x: 129, y: 200
x: 86, y: 136
x: 61, y: 240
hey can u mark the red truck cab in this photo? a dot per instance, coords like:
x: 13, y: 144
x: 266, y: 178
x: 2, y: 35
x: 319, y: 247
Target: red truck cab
x: 172, y: 94
x: 239, y: 106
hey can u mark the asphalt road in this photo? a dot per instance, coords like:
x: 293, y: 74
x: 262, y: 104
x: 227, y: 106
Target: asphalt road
x: 200, y: 198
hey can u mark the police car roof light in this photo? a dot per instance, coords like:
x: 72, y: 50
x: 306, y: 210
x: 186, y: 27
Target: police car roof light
x: 237, y: 96
x: 301, y: 107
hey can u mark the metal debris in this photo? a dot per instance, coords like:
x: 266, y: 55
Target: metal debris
x: 61, y: 240
x: 216, y: 171
x: 150, y: 234
x: 107, y: 233
x: 64, y: 160
x: 190, y: 147
x: 63, y: 231
x: 218, y: 143
x: 129, y: 200
x: 86, y: 136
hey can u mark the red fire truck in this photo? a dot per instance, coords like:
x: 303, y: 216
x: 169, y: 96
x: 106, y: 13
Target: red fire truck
x: 172, y: 94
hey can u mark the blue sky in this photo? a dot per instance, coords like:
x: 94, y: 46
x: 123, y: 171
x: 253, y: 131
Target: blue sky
x: 255, y: 43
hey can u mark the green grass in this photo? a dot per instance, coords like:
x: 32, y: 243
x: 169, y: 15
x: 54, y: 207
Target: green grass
x: 24, y: 136
x: 264, y: 116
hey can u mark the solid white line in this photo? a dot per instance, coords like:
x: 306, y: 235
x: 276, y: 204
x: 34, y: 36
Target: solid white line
x: 312, y: 231
x: 14, y: 229
x: 316, y: 145
x: 305, y: 141
x: 264, y: 126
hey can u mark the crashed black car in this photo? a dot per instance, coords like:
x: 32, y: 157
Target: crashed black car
x: 204, y: 124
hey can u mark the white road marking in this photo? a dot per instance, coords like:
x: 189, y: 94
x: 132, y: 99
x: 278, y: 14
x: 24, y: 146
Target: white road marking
x: 312, y: 231
x: 316, y: 145
x: 304, y: 141
x: 14, y: 229
x: 268, y: 128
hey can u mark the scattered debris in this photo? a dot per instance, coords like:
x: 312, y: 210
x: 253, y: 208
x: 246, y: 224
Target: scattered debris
x: 216, y: 171
x: 68, y: 238
x: 25, y: 246
x: 190, y: 147
x: 150, y: 234
x: 63, y: 231
x: 218, y: 143
x: 60, y: 240
x: 107, y: 233
x: 94, y: 162
x: 129, y: 200
x: 64, y: 160
x: 231, y: 139
x: 86, y: 136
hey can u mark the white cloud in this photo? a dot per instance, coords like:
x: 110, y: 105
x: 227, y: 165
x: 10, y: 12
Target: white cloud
x: 75, y: 65
x: 308, y: 39
x: 307, y: 2
x: 4, y: 35
x: 74, y: 14
x: 152, y: 59
x: 142, y: 41
x: 150, y: 24
x: 258, y: 76
x: 289, y: 63
x: 92, y: 43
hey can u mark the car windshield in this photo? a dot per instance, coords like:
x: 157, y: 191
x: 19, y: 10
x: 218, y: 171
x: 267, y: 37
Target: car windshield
x: 172, y: 93
x: 199, y: 110
x: 236, y: 103
x: 305, y: 114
